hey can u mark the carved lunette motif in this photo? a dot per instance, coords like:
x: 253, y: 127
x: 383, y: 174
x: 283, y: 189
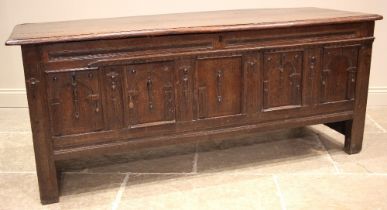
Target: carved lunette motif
x: 290, y: 37
x: 102, y: 53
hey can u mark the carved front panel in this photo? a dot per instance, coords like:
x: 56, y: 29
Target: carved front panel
x: 338, y: 75
x: 185, y: 69
x: 75, y: 102
x: 113, y: 96
x: 282, y: 79
x: 219, y: 86
x: 150, y: 93
x: 252, y: 68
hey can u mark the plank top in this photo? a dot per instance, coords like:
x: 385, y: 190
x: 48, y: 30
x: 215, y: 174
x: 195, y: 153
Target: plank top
x: 181, y: 23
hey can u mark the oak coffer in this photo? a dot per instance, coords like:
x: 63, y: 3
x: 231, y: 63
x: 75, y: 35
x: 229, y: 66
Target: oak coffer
x: 105, y: 86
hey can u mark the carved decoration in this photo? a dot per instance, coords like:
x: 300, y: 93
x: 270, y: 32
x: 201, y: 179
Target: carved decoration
x: 282, y: 77
x: 339, y: 67
x: 219, y: 83
x: 150, y: 93
x: 252, y: 64
x: 94, y: 53
x: 203, y: 110
x: 215, y: 97
x: 133, y: 93
x: 184, y: 89
x: 113, y: 97
x: 91, y: 97
x: 312, y: 66
x: 185, y: 80
x: 74, y: 102
x: 149, y: 87
x: 32, y: 83
x: 113, y: 75
x: 168, y: 101
x: 74, y: 86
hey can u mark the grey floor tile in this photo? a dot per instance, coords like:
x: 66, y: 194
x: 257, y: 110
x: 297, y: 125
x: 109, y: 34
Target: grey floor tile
x: 287, y: 155
x: 214, y: 191
x: 337, y: 192
x: 16, y: 152
x: 14, y: 120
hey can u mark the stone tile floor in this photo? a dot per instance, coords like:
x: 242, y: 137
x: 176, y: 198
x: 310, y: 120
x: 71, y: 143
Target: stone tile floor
x: 303, y: 168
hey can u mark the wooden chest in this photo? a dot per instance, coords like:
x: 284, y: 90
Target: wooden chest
x: 106, y: 86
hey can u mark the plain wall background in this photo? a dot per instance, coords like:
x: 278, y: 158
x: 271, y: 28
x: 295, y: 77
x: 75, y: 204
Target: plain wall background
x: 12, y: 12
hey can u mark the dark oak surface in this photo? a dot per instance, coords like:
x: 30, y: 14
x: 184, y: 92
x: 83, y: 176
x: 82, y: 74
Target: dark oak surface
x: 103, y: 87
x: 215, y: 21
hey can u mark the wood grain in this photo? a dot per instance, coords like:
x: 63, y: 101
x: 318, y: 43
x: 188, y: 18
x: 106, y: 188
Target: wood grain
x: 182, y: 23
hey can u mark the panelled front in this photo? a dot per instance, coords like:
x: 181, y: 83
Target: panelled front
x: 188, y: 91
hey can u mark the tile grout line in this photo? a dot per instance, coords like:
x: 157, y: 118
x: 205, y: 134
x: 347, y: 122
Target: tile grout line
x: 117, y: 200
x: 279, y: 192
x: 334, y: 163
x: 98, y: 173
x: 195, y: 160
x: 376, y: 123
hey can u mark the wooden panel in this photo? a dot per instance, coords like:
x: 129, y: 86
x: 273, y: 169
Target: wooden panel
x: 282, y: 79
x: 338, y: 75
x: 252, y: 67
x: 220, y: 86
x: 112, y: 77
x: 150, y: 90
x: 185, y: 81
x: 89, y: 50
x: 74, y: 102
